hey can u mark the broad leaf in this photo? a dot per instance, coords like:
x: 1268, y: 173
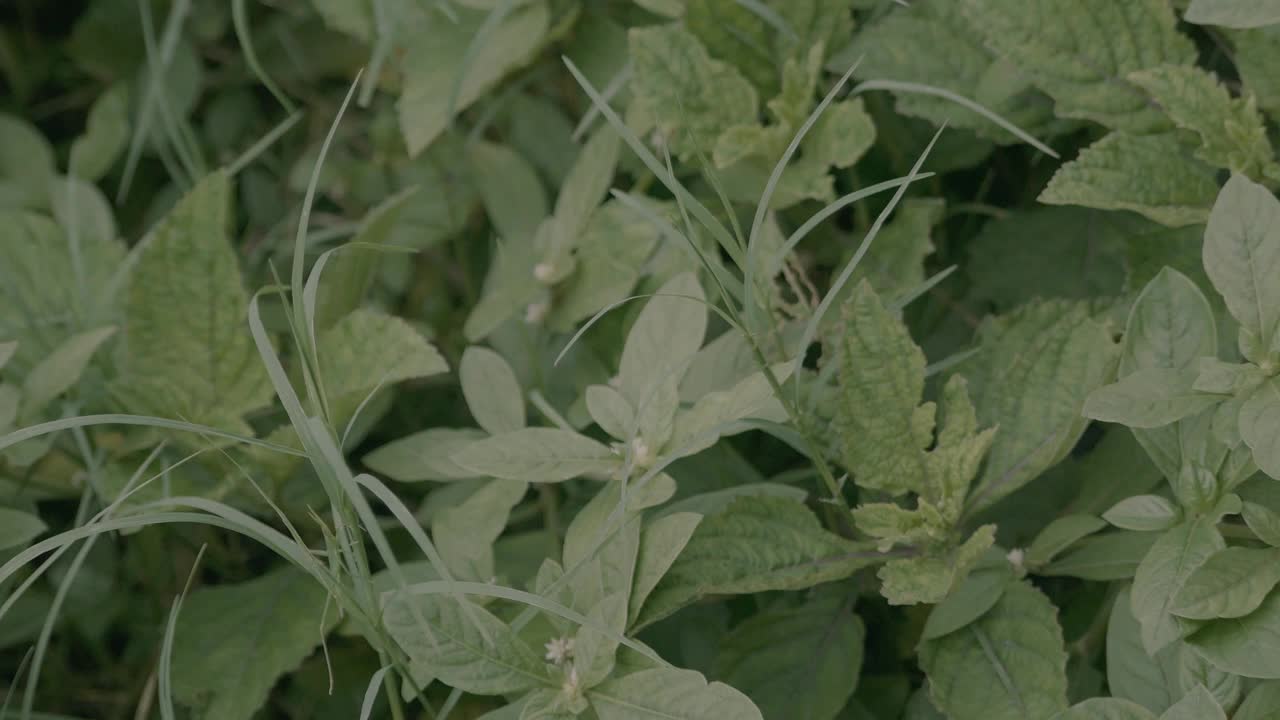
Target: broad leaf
x: 1010, y: 664
x: 464, y: 533
x: 1148, y: 174
x: 1230, y: 584
x: 661, y: 542
x: 1132, y: 674
x: 17, y: 528
x: 1259, y: 420
x: 60, y: 371
x: 800, y: 662
x: 1162, y: 574
x: 1149, y: 398
x: 105, y: 135
x: 1261, y: 704
x: 513, y: 195
x: 1059, y: 535
x: 1242, y: 258
x: 1144, y: 513
x: 1109, y: 556
x: 756, y: 544
x: 669, y: 694
x: 424, y: 455
x: 1080, y: 54
x: 1198, y: 704
x: 1105, y: 709
x: 665, y: 336
x: 979, y: 592
x: 492, y: 391
x: 536, y: 455
x: 366, y: 350
x: 233, y: 642
x: 1233, y: 13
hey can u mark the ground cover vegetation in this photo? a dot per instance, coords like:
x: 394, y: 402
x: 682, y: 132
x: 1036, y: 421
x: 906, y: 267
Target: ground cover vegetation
x: 640, y: 359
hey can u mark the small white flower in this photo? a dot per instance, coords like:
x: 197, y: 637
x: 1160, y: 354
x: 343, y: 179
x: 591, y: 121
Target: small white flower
x: 559, y: 650
x: 572, y: 685
x: 641, y: 455
x: 535, y: 313
x: 1016, y: 557
x: 543, y: 272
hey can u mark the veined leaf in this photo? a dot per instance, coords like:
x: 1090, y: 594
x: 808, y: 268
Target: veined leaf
x: 1132, y: 674
x: 1148, y: 174
x: 756, y: 544
x: 1010, y: 664
x: 1262, y: 703
x: 492, y: 391
x: 351, y: 272
x: 513, y: 195
x: 1264, y: 522
x: 669, y: 694
x: 188, y: 353
x: 1144, y: 513
x: 973, y: 598
x: 424, y: 455
x: 366, y: 349
x: 435, y: 57
x: 1080, y: 54
x: 1248, y: 646
x: 1259, y: 420
x: 1109, y: 556
x: 60, y: 371
x: 1059, y: 535
x: 1230, y: 584
x: 1197, y: 704
x: 537, y: 455
x: 1149, y: 398
x: 1163, y: 572
x: 233, y: 642
x: 1233, y: 13
x: 1241, y: 255
x: 666, y: 334
x: 464, y: 533
x: 800, y: 662
x: 440, y: 636
x: 661, y: 542
x: 1105, y: 709
x: 1256, y: 52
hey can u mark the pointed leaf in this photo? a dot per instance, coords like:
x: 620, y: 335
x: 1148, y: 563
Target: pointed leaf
x: 537, y: 455
x: 492, y: 391
x: 1230, y: 584
x: 1233, y: 13
x: 669, y: 694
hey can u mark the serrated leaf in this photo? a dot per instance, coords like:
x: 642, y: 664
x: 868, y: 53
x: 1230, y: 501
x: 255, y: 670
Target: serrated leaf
x: 800, y: 662
x: 536, y: 455
x: 1035, y: 369
x: 1081, y: 53
x: 933, y: 43
x: 669, y: 694
x: 1162, y: 574
x: 1259, y: 420
x: 60, y: 371
x: 1242, y: 255
x: 1105, y: 709
x: 842, y: 135
x: 691, y: 97
x: 188, y: 354
x: 665, y: 336
x: 1132, y: 674
x: 233, y: 642
x: 1059, y: 535
x: 492, y: 391
x: 1010, y: 664
x: 442, y: 636
x: 1144, y: 513
x: 1233, y: 13
x: 1230, y: 584
x: 756, y: 544
x: 105, y: 135
x: 930, y: 577
x: 434, y: 62
x: 1147, y: 174
x: 1231, y: 131
x: 1149, y: 398
x: 366, y: 349
x: 424, y: 455
x: 733, y: 33
x: 464, y: 533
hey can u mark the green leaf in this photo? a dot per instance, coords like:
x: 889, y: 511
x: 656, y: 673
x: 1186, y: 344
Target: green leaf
x: 934, y: 44
x: 1010, y: 664
x: 972, y: 599
x: 1259, y: 423
x: 105, y: 135
x: 1110, y: 556
x: 350, y: 273
x: 664, y: 338
x: 26, y: 164
x: 1264, y: 522
x: 1231, y: 131
x: 1144, y: 513
x: 930, y: 577
x: 611, y: 252
x: 537, y: 455
x: 464, y: 533
x: 1149, y: 398
x: 233, y: 642
x: 367, y: 349
x: 661, y: 542
x: 1163, y: 572
x: 1132, y: 674
x: 1148, y: 174
x: 1105, y: 709
x: 1262, y: 703
x: 1256, y: 52
x: 492, y: 391
x: 1196, y: 672
x: 1248, y: 646
x: 756, y: 544
x: 1035, y: 369
x: 188, y: 354
x: 587, y: 184
x: 610, y: 411
x: 894, y: 265
x: 1171, y: 325
x: 424, y: 455
x: 509, y: 187
x: 800, y: 662
x: 19, y: 528
x: 40, y: 306
x: 702, y: 425
x: 1233, y: 13
x: 669, y: 694
x: 434, y: 63
x: 1059, y: 535
x: 1242, y: 257
x: 1081, y: 54
x: 509, y: 287
x: 690, y: 97
x: 733, y: 33
x: 60, y: 371
x: 1198, y: 704
x: 1230, y: 584
x: 443, y: 637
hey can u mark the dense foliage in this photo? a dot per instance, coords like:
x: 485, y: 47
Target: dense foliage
x: 638, y: 359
